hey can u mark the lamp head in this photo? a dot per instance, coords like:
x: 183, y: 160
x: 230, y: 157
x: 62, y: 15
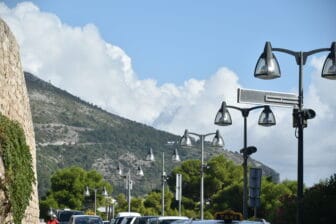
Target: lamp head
x: 119, y: 170
x: 267, y: 66
x: 176, y: 156
x: 329, y: 66
x: 150, y: 155
x: 267, y: 117
x: 223, y: 117
x: 185, y: 141
x: 87, y: 191
x: 217, y: 141
x: 139, y: 171
x: 104, y: 193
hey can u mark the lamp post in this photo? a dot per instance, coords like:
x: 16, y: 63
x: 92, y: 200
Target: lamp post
x: 87, y: 194
x: 175, y: 158
x: 113, y: 202
x: 266, y: 118
x: 129, y: 182
x: 267, y: 67
x: 164, y: 179
x: 216, y: 142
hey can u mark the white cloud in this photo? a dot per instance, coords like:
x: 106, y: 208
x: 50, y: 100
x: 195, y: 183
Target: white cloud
x: 78, y: 60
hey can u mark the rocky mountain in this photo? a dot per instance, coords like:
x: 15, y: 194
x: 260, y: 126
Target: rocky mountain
x: 72, y: 132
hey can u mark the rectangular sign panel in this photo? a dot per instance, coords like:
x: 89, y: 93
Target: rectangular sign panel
x: 267, y: 98
x: 178, y: 191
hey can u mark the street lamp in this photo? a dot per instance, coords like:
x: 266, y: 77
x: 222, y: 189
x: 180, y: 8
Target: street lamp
x: 150, y: 155
x: 266, y: 118
x: 175, y: 158
x: 267, y: 67
x: 217, y: 141
x: 129, y: 182
x: 87, y: 194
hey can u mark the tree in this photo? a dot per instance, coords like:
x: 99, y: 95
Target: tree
x: 190, y: 170
x: 68, y: 185
x: 223, y: 180
x: 153, y: 201
x: 320, y: 202
x: 271, y: 195
x: 121, y: 204
x: 228, y: 198
x: 221, y: 173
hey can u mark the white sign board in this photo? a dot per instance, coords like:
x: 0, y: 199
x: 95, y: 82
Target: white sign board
x: 267, y: 98
x: 178, y: 191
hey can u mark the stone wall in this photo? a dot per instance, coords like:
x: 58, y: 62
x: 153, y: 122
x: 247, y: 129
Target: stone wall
x: 14, y: 103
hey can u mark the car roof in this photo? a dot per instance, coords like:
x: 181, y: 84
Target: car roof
x: 122, y: 214
x: 210, y: 221
x: 170, y: 217
x: 85, y: 216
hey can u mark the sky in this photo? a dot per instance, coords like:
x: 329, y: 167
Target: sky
x: 170, y: 64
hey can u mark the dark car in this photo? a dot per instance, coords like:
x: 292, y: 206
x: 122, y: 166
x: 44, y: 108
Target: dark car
x: 85, y: 219
x: 63, y: 216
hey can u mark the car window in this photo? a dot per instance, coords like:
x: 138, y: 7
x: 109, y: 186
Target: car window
x: 167, y: 221
x: 142, y: 219
x: 118, y: 220
x: 88, y: 220
x: 64, y: 216
x: 127, y: 220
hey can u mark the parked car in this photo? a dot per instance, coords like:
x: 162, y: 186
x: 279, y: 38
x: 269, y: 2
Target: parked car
x: 165, y: 219
x: 63, y: 216
x: 142, y: 219
x: 85, y: 219
x: 124, y: 219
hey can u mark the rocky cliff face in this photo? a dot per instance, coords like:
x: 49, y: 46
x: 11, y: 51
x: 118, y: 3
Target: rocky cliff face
x: 14, y: 104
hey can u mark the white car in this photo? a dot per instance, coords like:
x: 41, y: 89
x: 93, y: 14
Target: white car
x: 165, y: 219
x: 125, y: 218
x: 129, y: 214
x: 85, y: 219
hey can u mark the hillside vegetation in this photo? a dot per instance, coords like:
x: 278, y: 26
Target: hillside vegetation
x: 72, y: 132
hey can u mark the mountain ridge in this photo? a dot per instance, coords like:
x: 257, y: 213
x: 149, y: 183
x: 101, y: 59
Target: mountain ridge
x: 72, y: 132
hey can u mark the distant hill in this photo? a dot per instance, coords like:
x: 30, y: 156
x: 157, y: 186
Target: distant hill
x: 72, y: 132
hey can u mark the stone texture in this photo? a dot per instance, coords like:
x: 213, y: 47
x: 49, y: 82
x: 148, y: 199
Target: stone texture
x: 14, y: 103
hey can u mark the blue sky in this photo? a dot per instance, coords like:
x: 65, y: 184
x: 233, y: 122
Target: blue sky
x: 172, y: 41
x: 174, y: 62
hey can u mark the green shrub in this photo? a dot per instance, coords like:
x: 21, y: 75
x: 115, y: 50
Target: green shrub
x: 19, y: 173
